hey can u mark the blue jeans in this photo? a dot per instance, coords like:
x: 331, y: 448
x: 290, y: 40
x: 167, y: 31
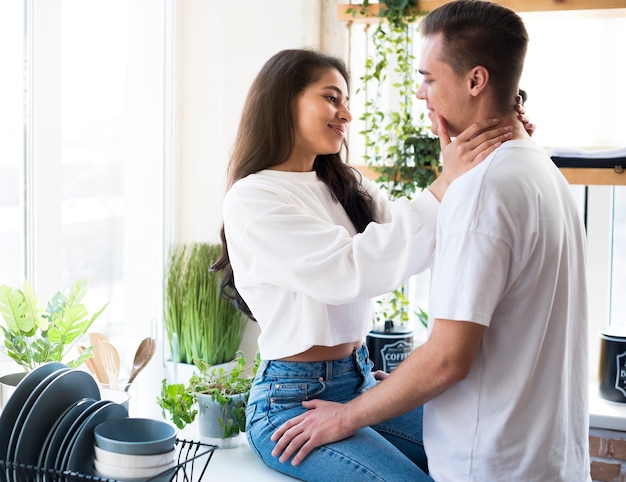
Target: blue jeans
x: 390, y: 451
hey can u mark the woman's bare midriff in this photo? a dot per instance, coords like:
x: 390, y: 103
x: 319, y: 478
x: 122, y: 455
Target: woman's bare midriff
x: 323, y: 353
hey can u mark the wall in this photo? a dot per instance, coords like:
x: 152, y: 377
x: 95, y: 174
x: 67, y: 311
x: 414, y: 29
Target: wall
x: 220, y: 47
x: 608, y: 455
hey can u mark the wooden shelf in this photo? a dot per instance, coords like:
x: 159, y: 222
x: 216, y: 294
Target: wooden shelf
x: 367, y: 171
x: 574, y: 175
x: 517, y: 5
x: 593, y: 176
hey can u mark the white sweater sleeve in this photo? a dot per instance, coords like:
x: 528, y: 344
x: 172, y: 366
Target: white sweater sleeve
x: 276, y: 238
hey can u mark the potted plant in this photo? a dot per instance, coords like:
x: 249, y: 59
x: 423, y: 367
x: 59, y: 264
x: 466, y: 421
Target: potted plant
x: 399, y: 149
x: 199, y: 323
x: 391, y: 339
x: 34, y: 335
x: 216, y: 396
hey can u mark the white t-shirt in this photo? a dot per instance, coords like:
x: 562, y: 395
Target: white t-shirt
x: 300, y: 266
x: 510, y: 256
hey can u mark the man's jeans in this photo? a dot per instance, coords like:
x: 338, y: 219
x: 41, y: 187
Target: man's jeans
x: 391, y: 451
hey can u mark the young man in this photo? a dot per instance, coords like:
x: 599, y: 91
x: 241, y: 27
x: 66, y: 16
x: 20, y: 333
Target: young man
x: 503, y: 375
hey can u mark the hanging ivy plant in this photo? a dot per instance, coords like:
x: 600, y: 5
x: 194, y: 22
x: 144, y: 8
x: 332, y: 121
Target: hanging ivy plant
x: 399, y: 147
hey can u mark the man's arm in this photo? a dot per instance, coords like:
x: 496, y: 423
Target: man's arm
x: 442, y: 361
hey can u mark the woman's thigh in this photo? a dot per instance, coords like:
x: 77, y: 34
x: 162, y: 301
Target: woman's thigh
x: 277, y: 396
x: 366, y: 456
x: 405, y: 433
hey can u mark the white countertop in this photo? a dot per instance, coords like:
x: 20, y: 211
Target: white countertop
x: 240, y: 463
x: 605, y: 414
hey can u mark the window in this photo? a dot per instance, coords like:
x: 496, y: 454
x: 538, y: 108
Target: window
x: 81, y: 155
x: 93, y: 158
x: 618, y: 257
x: 11, y: 140
x: 574, y: 96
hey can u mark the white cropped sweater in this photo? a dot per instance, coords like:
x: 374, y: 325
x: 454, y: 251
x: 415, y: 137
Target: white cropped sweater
x: 299, y: 264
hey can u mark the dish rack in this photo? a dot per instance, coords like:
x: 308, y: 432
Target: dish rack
x: 192, y: 461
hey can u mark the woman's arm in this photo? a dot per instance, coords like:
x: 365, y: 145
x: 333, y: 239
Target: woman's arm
x: 472, y: 146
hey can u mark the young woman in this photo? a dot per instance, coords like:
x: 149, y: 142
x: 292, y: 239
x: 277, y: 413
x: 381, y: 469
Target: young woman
x: 307, y: 242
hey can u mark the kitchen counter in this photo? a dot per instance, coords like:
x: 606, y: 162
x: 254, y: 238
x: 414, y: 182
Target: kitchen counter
x: 240, y: 464
x: 227, y: 464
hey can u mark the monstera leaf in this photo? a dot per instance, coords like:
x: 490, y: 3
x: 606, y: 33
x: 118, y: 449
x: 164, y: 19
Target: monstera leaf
x: 33, y: 336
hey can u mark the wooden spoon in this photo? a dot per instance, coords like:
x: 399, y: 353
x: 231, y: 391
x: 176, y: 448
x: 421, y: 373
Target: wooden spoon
x: 91, y: 365
x: 95, y: 337
x: 143, y: 355
x: 108, y: 358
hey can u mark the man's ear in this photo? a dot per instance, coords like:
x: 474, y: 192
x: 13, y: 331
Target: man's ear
x: 478, y: 80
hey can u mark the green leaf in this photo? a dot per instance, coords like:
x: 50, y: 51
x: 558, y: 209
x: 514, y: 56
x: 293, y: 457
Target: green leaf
x: 176, y: 401
x: 21, y: 310
x: 35, y: 311
x: 206, y: 325
x: 180, y: 401
x: 33, y: 336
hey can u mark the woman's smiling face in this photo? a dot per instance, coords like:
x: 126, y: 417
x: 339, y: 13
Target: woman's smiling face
x: 321, y: 117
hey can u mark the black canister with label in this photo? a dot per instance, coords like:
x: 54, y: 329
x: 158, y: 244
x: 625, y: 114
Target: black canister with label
x: 612, y: 371
x: 388, y: 344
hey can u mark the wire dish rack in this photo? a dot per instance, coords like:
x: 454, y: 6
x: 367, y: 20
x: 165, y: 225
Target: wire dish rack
x: 192, y: 461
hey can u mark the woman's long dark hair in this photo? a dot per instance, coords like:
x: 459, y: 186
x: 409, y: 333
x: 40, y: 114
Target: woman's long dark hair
x: 266, y: 135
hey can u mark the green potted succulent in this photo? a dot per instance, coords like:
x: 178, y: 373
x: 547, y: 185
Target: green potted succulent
x: 199, y: 323
x: 34, y: 335
x: 214, y: 395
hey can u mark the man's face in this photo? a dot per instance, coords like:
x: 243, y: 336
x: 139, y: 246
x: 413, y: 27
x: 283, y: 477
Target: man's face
x: 446, y: 94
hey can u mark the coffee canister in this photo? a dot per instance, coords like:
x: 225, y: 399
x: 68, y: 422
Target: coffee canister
x: 612, y: 369
x: 388, y: 344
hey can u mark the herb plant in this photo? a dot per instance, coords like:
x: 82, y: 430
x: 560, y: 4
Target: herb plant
x: 422, y: 316
x: 393, y: 306
x: 180, y: 401
x: 199, y: 323
x: 33, y: 336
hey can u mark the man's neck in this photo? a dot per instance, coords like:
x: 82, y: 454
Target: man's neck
x: 519, y: 131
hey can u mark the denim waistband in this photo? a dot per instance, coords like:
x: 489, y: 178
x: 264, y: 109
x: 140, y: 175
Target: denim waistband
x: 323, y: 369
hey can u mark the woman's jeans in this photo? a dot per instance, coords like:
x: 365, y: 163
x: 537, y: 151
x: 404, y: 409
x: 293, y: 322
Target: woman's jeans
x: 391, y: 451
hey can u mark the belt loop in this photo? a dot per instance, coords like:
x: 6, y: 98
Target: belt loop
x: 357, y: 355
x: 329, y: 370
x: 261, y: 370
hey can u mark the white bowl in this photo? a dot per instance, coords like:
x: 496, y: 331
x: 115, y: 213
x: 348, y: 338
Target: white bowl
x: 115, y: 472
x: 133, y: 461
